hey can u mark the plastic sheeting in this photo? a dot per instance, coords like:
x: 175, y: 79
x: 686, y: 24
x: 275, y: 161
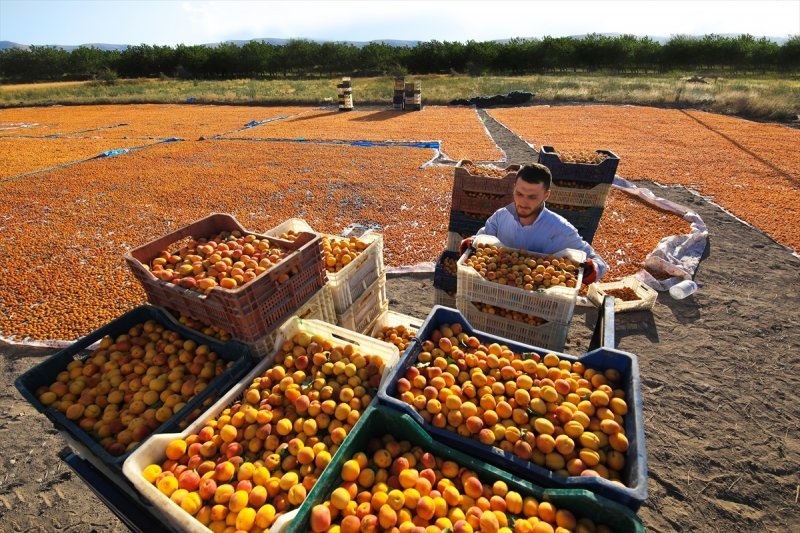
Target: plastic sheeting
x: 38, y: 344
x: 107, y: 153
x: 444, y: 158
x: 675, y: 255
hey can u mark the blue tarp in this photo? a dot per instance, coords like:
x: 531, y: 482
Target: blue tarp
x: 421, y: 144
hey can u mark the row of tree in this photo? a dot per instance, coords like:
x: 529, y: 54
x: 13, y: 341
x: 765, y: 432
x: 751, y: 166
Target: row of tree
x: 304, y: 58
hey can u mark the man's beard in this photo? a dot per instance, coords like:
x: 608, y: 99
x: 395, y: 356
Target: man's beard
x: 527, y: 212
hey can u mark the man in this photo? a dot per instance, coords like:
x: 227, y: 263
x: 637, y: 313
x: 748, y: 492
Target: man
x: 527, y: 224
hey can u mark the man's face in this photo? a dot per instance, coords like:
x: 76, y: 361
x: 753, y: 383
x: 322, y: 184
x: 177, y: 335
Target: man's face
x: 528, y: 198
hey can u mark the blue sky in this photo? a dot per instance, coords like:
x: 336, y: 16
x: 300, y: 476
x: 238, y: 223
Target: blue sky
x: 173, y: 22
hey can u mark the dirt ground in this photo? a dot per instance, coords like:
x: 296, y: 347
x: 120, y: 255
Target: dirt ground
x: 718, y: 370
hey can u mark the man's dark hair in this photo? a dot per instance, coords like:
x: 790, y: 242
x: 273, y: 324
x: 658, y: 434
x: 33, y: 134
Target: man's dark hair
x: 535, y: 173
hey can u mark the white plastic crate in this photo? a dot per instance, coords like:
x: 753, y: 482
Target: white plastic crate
x: 551, y: 335
x: 153, y: 449
x: 390, y: 318
x: 579, y: 197
x: 553, y: 304
x: 454, y: 241
x: 318, y: 307
x: 353, y: 280
x: 366, y: 308
x: 292, y: 224
x: 394, y: 319
x: 441, y: 297
x: 647, y: 295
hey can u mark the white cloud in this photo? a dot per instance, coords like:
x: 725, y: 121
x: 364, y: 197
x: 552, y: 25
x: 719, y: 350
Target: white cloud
x: 172, y: 22
x: 485, y: 20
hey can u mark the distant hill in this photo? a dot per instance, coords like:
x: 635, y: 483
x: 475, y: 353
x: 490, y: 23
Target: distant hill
x: 660, y: 39
x: 391, y: 42
x: 270, y: 40
x: 358, y: 44
x: 4, y: 45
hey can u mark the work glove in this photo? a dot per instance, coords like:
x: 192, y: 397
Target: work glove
x: 466, y: 243
x: 589, y: 272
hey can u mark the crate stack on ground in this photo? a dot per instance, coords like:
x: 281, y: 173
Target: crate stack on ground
x: 532, y: 313
x: 581, y: 184
x: 357, y: 287
x: 345, y: 94
x: 250, y: 312
x: 413, y: 96
x: 478, y: 191
x: 398, y: 98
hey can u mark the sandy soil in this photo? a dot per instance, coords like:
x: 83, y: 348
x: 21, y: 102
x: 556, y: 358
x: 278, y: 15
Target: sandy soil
x: 718, y: 373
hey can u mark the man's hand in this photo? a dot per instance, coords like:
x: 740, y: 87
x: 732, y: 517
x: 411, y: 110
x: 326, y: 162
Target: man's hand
x: 589, y: 272
x: 466, y: 243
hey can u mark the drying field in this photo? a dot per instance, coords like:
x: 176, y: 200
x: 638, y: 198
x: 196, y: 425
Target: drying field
x: 69, y: 215
x: 718, y: 368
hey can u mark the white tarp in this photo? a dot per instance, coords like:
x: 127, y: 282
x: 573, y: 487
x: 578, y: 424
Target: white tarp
x: 675, y: 255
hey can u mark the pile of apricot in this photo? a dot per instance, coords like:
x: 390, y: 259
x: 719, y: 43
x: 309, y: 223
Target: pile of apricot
x: 553, y: 412
x: 397, y: 487
x: 132, y: 383
x: 228, y: 260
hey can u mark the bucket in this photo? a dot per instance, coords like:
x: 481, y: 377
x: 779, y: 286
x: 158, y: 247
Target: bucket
x: 681, y: 290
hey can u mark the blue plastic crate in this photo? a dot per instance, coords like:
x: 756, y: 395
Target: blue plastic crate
x: 585, y: 219
x: 379, y: 420
x: 603, y: 172
x: 45, y: 373
x: 443, y: 279
x: 634, y: 475
x: 464, y: 224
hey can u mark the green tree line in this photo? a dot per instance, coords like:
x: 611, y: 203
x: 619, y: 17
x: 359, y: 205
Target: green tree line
x: 300, y: 58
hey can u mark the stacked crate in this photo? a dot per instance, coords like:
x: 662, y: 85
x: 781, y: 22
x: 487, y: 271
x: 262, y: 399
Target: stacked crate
x: 580, y: 190
x: 345, y: 93
x: 358, y: 289
x: 399, y: 93
x: 478, y: 191
x: 413, y: 96
x: 539, y: 317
